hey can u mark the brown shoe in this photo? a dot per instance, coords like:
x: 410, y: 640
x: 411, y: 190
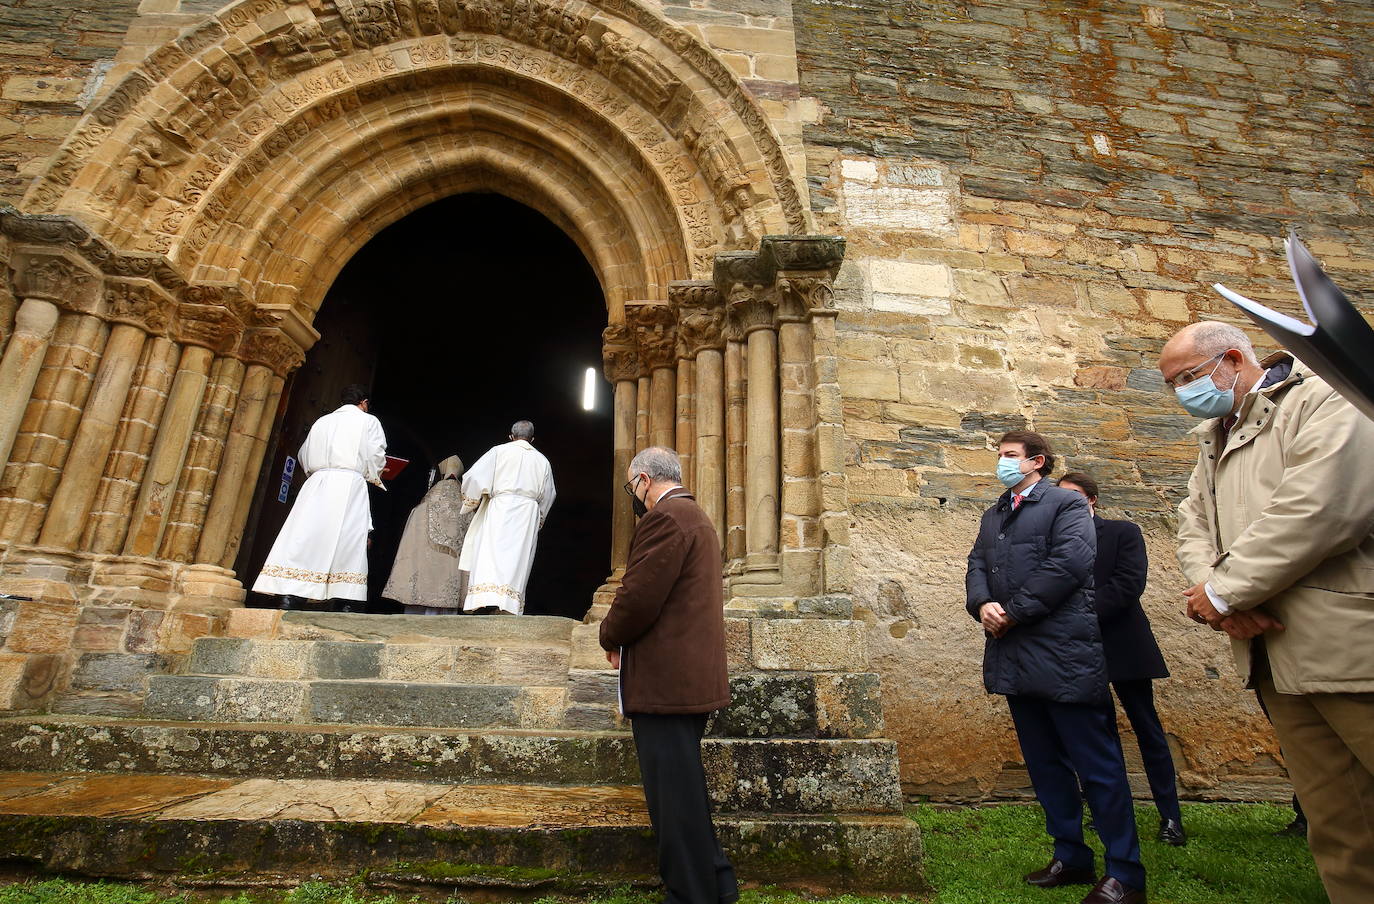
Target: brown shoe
x: 1058, y: 873
x: 1111, y: 891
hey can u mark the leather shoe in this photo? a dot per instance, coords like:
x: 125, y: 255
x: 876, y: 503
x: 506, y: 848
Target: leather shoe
x: 1295, y: 829
x: 1171, y: 832
x: 1059, y: 873
x: 290, y: 603
x: 1111, y: 891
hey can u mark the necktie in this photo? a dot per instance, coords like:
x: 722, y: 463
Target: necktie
x: 1016, y: 501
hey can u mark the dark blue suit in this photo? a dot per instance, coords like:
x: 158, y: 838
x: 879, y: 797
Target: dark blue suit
x: 1133, y: 657
x: 1034, y: 560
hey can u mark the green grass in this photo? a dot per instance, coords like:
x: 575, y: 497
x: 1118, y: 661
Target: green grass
x: 977, y: 856
x: 973, y: 856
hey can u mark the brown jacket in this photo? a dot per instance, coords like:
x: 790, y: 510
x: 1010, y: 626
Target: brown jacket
x: 668, y: 618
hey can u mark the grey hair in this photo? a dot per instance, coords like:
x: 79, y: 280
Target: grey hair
x: 1211, y: 338
x: 659, y: 462
x: 522, y: 430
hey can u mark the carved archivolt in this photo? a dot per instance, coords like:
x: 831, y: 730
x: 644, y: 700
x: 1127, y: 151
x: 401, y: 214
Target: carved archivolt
x: 207, y: 122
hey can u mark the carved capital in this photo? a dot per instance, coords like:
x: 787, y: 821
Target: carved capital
x: 741, y: 268
x: 753, y: 308
x: 619, y: 353
x: 271, y: 348
x: 206, y: 318
x: 655, y: 328
x: 139, y: 302
x: 55, y: 275
x: 700, y: 316
x: 801, y: 294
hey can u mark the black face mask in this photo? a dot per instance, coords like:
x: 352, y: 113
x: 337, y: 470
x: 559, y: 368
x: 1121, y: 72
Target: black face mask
x: 638, y: 506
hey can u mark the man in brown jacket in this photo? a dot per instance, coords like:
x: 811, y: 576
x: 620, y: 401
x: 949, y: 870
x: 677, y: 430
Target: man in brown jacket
x: 1276, y: 537
x: 666, y: 634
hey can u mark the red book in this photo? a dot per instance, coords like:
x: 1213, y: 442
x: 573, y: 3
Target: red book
x: 393, y: 467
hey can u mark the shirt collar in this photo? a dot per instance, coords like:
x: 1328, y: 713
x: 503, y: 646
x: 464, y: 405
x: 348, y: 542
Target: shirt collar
x: 676, y: 486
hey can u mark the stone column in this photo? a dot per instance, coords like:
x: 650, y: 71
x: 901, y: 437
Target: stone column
x: 105, y: 530
x: 71, y: 503
x: 620, y: 359
x: 44, y: 280
x: 50, y: 421
x: 701, y: 318
x: 245, y: 490
x: 800, y: 533
x: 756, y: 313
x: 149, y: 518
x: 234, y: 466
x: 642, y: 394
x: 203, y: 454
x: 735, y: 395
x: 656, y: 340
x: 685, y: 436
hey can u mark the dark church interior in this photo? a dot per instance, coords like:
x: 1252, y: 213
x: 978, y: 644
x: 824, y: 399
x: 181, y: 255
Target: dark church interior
x: 463, y: 317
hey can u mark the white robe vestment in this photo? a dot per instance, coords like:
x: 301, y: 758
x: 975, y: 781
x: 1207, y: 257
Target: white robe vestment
x: 511, y: 489
x: 321, y: 552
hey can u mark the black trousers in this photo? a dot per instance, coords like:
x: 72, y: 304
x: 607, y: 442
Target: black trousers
x: 694, y: 868
x: 1138, y: 700
x: 1068, y: 743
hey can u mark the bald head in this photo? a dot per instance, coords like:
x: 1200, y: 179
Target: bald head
x: 1211, y: 347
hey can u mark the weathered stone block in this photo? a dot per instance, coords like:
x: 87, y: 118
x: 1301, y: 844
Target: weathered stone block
x: 346, y: 660
x: 418, y: 662
x: 255, y: 700
x: 181, y: 698
x: 764, y: 706
x: 809, y: 645
x: 220, y: 656
x: 41, y: 627
x: 802, y: 776
x: 116, y: 671
x: 849, y: 705
x: 279, y: 659
x: 593, y: 686
x: 402, y: 703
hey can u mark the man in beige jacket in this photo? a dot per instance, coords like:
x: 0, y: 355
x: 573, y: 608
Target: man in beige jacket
x: 1275, y: 538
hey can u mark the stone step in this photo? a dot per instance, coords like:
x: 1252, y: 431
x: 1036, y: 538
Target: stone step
x: 495, y: 630
x: 744, y: 774
x: 209, y: 698
x: 494, y: 661
x: 160, y: 826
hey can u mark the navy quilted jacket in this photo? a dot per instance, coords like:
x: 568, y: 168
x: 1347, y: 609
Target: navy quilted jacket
x: 1037, y: 561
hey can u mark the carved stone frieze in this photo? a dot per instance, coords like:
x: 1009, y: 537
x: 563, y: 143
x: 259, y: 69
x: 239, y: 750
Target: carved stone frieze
x: 700, y: 316
x: 213, y: 326
x: 139, y: 302
x: 655, y: 327
x: 801, y: 293
x: 803, y: 252
x: 620, y: 353
x: 55, y: 275
x: 272, y: 348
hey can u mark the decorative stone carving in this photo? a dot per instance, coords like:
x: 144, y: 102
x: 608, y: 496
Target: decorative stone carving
x: 700, y: 316
x: 138, y: 302
x: 203, y: 319
x: 799, y: 295
x: 55, y: 276
x: 655, y: 328
x: 804, y: 252
x: 619, y: 353
x: 271, y: 348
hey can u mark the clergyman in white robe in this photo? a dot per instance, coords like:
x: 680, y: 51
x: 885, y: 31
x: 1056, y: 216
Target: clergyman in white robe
x: 425, y: 576
x: 321, y: 552
x: 511, y: 489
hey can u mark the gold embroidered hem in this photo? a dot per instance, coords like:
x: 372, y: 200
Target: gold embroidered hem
x: 500, y: 590
x: 313, y: 577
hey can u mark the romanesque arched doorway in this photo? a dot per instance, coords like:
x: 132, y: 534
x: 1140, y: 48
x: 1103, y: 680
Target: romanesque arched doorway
x: 441, y: 315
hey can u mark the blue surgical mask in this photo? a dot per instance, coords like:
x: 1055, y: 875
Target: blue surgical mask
x: 1202, y: 398
x: 1009, y: 471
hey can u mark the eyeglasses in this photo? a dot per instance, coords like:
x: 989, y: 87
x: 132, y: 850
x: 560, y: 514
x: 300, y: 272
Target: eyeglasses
x: 1183, y: 378
x: 629, y: 487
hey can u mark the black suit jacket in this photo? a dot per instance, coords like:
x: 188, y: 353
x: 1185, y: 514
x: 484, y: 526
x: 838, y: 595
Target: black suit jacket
x: 1119, y: 574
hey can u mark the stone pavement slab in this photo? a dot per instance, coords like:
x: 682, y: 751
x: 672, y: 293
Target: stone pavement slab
x: 102, y: 795
x: 320, y: 800
x: 534, y: 805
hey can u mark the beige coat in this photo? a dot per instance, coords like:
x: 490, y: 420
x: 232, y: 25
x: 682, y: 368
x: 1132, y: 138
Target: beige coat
x: 1282, y: 518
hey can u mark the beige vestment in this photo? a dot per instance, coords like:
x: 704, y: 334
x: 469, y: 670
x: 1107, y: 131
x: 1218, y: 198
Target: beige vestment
x: 425, y: 575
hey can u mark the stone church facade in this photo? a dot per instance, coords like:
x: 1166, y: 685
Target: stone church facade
x: 843, y: 246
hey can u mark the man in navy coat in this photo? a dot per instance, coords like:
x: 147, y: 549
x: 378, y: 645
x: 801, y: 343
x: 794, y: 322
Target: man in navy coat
x: 1133, y: 657
x: 1029, y: 584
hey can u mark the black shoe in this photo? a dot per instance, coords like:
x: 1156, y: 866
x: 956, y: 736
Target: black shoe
x: 488, y: 610
x: 350, y: 606
x: 1295, y: 829
x: 289, y: 603
x: 1057, y: 873
x: 1111, y: 891
x: 1171, y: 832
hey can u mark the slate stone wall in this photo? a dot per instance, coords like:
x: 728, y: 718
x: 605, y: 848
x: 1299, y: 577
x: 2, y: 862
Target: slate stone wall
x: 1036, y: 194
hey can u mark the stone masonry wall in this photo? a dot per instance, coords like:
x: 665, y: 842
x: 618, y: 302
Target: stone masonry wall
x: 1035, y: 195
